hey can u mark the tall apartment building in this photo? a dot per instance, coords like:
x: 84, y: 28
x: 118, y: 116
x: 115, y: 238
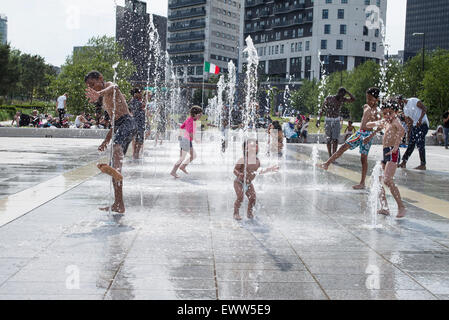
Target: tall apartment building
x: 293, y: 36
x: 430, y: 17
x: 3, y: 29
x: 203, y: 30
x: 132, y: 32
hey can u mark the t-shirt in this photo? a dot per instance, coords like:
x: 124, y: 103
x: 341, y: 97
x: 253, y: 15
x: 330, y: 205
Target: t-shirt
x: 446, y: 124
x: 305, y: 127
x: 412, y: 111
x: 189, y: 126
x: 61, y: 100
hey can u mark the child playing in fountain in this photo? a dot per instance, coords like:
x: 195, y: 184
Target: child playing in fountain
x: 124, y: 129
x: 251, y: 163
x: 362, y: 138
x: 350, y: 130
x: 189, y: 127
x: 394, y: 132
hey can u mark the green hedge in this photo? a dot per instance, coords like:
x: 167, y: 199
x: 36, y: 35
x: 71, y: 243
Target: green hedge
x: 7, y: 112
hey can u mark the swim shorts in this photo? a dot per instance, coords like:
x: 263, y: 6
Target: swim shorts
x: 356, y: 140
x: 124, y: 129
x: 394, y: 157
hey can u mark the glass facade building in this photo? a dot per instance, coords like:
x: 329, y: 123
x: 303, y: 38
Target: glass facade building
x: 3, y: 29
x: 430, y: 17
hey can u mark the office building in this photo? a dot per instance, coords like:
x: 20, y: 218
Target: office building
x: 203, y: 30
x: 293, y: 36
x: 3, y: 29
x: 429, y: 21
x: 132, y: 32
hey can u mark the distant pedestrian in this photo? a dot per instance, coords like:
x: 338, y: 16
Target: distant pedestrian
x: 61, y: 106
x: 415, y: 111
x: 446, y: 128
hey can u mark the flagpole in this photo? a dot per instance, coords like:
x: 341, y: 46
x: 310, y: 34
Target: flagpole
x: 202, y: 91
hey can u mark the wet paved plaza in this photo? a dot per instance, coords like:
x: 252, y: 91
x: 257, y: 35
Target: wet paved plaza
x: 310, y: 239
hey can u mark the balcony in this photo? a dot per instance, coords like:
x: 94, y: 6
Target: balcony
x: 281, y: 10
x: 292, y: 22
x: 186, y: 60
x: 264, y: 13
x: 184, y: 26
x: 187, y: 36
x: 174, y: 4
x: 196, y: 12
x: 198, y: 47
x: 253, y: 3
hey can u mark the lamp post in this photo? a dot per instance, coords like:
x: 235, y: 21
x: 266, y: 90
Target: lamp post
x: 341, y: 71
x: 423, y: 47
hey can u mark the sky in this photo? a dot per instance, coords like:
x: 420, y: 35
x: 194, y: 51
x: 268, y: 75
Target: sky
x: 51, y: 28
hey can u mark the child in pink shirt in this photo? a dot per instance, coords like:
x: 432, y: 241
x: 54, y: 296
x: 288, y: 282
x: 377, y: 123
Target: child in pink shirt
x: 186, y: 141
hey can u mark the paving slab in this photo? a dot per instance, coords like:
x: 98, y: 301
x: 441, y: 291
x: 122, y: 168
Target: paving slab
x: 311, y: 237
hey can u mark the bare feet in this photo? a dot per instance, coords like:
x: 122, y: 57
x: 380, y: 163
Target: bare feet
x: 421, y: 167
x: 401, y: 212
x: 237, y: 216
x: 174, y: 175
x: 183, y: 169
x: 250, y: 215
x: 403, y: 165
x: 323, y: 166
x: 384, y: 212
x: 110, y: 171
x: 359, y: 187
x: 115, y: 208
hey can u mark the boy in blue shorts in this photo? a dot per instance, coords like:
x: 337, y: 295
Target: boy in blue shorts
x: 362, y: 138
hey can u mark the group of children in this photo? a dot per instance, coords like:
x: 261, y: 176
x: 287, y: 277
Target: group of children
x: 394, y: 132
x: 248, y: 166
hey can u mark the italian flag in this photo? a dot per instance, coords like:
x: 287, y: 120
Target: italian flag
x: 211, y: 68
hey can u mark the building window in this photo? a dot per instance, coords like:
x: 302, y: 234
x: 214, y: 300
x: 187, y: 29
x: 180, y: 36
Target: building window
x: 376, y: 33
x: 343, y: 28
x: 327, y: 29
x: 367, y: 2
x: 344, y: 1
x: 339, y: 44
x: 328, y: 1
x: 367, y: 46
x: 374, y: 47
x: 307, y: 45
x: 282, y: 48
x: 365, y: 30
x: 323, y: 44
x: 341, y: 14
x: 325, y: 14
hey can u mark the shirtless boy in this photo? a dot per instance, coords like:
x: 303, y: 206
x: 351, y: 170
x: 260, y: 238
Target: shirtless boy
x: 362, y: 138
x: 252, y: 164
x: 332, y: 107
x: 124, y: 129
x: 394, y: 132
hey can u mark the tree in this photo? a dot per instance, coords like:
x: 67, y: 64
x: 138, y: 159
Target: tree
x: 33, y: 74
x: 9, y: 70
x: 305, y: 99
x: 361, y: 79
x: 435, y: 92
x: 100, y: 54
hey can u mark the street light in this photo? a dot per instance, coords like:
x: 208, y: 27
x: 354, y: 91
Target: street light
x: 423, y: 47
x: 341, y: 71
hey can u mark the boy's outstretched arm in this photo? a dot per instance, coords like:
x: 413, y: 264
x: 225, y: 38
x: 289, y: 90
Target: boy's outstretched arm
x: 270, y: 169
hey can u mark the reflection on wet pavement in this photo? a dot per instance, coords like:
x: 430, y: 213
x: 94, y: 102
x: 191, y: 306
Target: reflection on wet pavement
x: 178, y: 239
